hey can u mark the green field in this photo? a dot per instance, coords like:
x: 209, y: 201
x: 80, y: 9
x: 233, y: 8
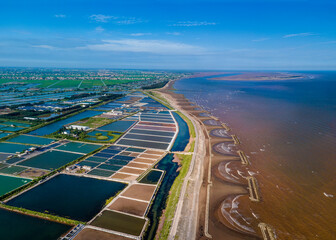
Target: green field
x: 95, y: 122
x: 67, y: 84
x: 114, y: 82
x: 91, y: 83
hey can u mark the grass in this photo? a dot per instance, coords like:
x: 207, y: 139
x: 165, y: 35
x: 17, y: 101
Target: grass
x: 67, y: 84
x: 95, y: 122
x: 157, y: 97
x: 192, y: 146
x: 41, y: 215
x: 87, y: 83
x: 115, y: 82
x: 42, y: 83
x: 174, y: 195
x: 101, y: 137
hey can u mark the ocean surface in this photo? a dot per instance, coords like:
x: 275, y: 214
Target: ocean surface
x: 288, y: 130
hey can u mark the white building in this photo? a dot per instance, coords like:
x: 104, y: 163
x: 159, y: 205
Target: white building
x: 114, y: 113
x: 87, y: 168
x: 78, y: 127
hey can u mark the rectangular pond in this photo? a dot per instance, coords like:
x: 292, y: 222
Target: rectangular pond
x: 152, y: 177
x: 137, y: 143
x: 8, y: 183
x: 109, y: 167
x: 148, y: 137
x: 4, y: 134
x: 116, y: 221
x: 10, y: 128
x: 51, y: 160
x: 4, y: 156
x: 12, y: 169
x: 101, y: 173
x: 13, y: 148
x: 79, y: 147
x: 155, y: 133
x: 15, y: 226
x: 79, y: 198
x: 118, y: 126
x: 31, y: 140
x: 12, y: 123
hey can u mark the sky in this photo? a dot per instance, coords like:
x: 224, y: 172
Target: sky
x: 169, y: 34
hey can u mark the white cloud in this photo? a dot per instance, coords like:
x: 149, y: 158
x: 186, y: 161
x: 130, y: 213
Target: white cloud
x: 101, y: 18
x: 306, y: 34
x: 148, y: 46
x: 173, y: 33
x: 139, y: 34
x: 44, y: 47
x: 99, y: 29
x: 260, y: 40
x: 60, y: 16
x: 129, y: 21
x: 192, y: 24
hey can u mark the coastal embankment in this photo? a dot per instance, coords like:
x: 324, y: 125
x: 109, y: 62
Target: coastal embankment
x: 209, y: 209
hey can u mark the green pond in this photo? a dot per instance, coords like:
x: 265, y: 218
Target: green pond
x: 15, y: 226
x: 13, y: 148
x: 31, y: 140
x: 3, y: 134
x: 120, y: 222
x: 79, y: 198
x: 79, y: 147
x: 10, y: 128
x: 12, y: 169
x: 16, y: 124
x: 8, y: 183
x: 152, y: 177
x: 51, y: 160
x: 118, y: 126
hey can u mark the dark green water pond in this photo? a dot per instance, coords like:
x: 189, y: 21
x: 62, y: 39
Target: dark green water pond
x: 79, y: 198
x: 152, y: 177
x: 16, y: 226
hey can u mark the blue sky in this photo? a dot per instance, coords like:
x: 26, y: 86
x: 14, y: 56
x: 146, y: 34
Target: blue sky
x: 175, y: 34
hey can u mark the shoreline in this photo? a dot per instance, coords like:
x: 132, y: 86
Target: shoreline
x: 211, y: 188
x: 262, y: 76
